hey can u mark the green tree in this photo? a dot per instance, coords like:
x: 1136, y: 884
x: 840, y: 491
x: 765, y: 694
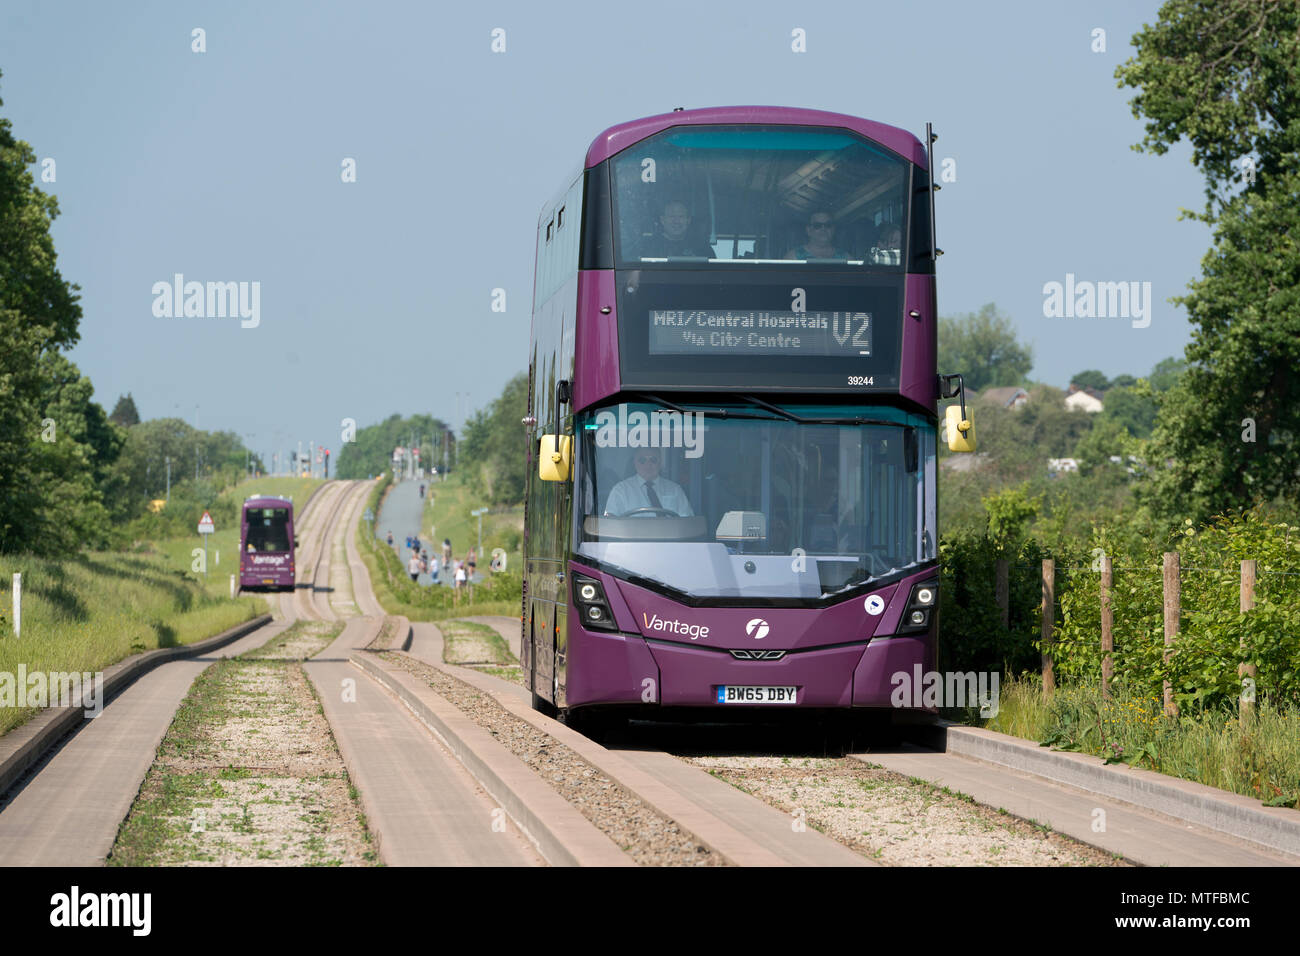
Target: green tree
x: 125, y: 412
x: 494, y: 446
x: 1224, y: 76
x: 1091, y: 378
x: 39, y: 314
x: 1133, y: 409
x: 1166, y: 373
x: 1229, y: 428
x: 982, y: 346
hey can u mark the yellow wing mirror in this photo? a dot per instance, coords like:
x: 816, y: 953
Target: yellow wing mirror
x: 956, y: 425
x: 555, y: 458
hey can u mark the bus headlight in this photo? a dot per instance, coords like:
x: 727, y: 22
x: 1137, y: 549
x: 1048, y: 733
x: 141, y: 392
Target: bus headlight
x: 592, y: 605
x: 920, y: 605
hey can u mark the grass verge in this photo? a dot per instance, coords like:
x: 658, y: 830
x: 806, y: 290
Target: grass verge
x: 91, y: 610
x: 1257, y: 758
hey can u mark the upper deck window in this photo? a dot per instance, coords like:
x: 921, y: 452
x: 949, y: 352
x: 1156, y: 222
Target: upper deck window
x: 760, y: 195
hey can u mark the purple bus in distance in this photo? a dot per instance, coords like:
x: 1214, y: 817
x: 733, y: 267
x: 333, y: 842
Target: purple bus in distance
x: 732, y: 418
x: 266, y: 544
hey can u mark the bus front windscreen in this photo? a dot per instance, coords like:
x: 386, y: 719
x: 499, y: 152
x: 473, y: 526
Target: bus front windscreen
x: 268, y: 529
x: 755, y: 505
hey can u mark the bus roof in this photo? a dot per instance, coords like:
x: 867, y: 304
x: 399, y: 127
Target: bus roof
x: 620, y: 137
x: 266, y: 501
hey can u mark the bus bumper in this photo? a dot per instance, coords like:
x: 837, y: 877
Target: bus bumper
x: 609, y: 668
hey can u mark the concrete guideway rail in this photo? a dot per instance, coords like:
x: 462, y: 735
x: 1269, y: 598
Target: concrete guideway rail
x: 738, y: 827
x: 425, y: 809
x: 27, y: 744
x: 68, y: 813
x: 317, y: 556
x: 362, y: 592
x: 1151, y: 818
x: 291, y: 606
x: 562, y: 835
x: 318, y: 597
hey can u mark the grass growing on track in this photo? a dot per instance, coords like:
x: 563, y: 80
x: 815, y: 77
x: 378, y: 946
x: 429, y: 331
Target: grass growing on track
x: 468, y: 642
x: 89, y: 611
x: 249, y: 771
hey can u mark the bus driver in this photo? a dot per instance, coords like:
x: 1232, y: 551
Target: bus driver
x: 649, y: 490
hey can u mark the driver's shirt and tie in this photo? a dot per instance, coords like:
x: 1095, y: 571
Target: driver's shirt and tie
x: 635, y: 492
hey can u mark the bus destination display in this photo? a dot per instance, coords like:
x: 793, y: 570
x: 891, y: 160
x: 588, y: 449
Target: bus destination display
x: 732, y: 332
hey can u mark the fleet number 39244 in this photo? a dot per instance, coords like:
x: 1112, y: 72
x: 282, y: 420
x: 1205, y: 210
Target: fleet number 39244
x: 862, y: 380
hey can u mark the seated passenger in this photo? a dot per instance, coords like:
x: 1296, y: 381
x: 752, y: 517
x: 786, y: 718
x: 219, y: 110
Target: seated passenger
x: 821, y: 239
x: 673, y: 238
x: 647, y: 489
x: 888, y: 251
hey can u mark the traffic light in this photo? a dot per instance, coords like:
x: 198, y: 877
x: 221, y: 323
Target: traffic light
x: 327, y: 463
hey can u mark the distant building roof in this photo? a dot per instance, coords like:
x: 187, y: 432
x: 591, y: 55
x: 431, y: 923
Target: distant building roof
x: 1008, y: 396
x: 1083, y: 399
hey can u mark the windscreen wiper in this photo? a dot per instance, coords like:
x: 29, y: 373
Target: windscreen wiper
x: 790, y: 416
x: 706, y: 412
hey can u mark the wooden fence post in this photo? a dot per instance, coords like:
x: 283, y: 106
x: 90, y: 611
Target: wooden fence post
x: 1246, y: 701
x: 1049, y: 613
x: 1004, y: 590
x: 1107, y: 626
x: 1173, y: 607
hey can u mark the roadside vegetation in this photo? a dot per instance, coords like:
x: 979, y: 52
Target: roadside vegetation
x: 397, y: 594
x: 87, y: 611
x: 1200, y: 457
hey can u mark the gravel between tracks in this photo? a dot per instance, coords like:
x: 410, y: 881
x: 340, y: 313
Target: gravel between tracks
x: 248, y: 773
x: 650, y: 838
x: 885, y: 816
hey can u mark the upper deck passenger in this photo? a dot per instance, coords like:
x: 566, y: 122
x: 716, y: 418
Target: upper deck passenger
x: 674, y: 237
x: 821, y: 239
x: 888, y: 248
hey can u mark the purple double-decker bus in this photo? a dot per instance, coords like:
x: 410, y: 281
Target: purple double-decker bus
x: 266, y: 544
x: 732, y: 418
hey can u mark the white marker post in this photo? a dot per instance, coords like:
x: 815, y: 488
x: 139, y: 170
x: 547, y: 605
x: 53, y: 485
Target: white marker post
x: 206, y: 527
x: 18, y: 604
x: 232, y: 587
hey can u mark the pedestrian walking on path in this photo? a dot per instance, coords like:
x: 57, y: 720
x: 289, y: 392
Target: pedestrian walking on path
x: 413, y: 567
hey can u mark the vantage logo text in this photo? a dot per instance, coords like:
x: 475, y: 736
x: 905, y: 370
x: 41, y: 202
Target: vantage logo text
x: 653, y: 622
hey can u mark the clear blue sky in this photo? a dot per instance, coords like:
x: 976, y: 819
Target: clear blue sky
x: 376, y: 295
